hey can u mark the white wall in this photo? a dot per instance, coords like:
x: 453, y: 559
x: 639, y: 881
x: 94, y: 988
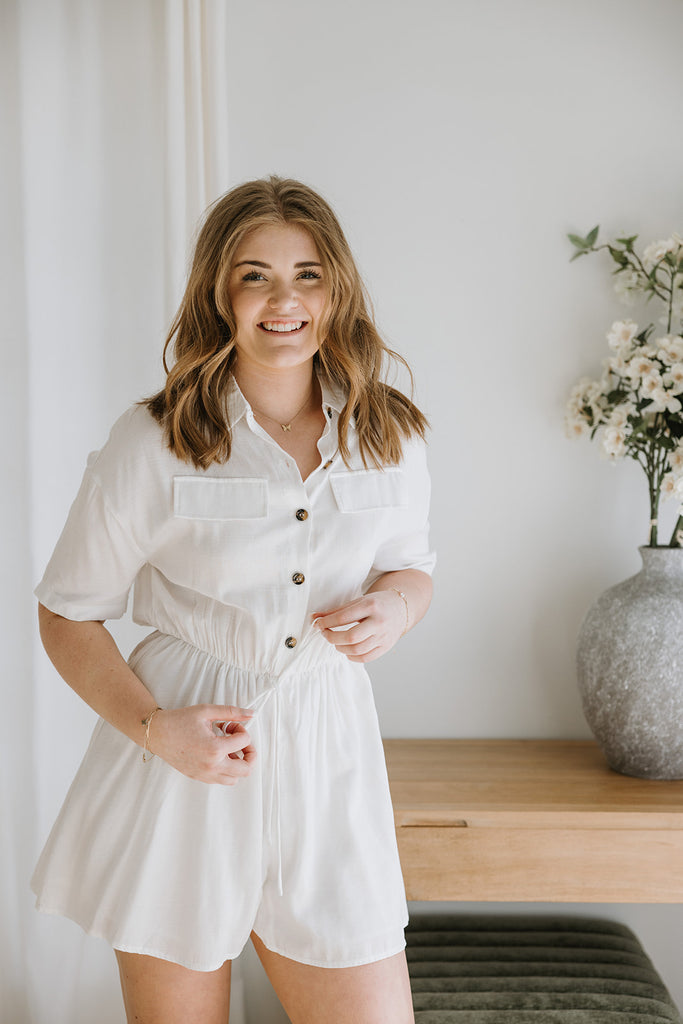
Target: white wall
x: 459, y: 142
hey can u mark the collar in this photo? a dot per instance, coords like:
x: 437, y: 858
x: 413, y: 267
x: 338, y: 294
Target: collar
x: 333, y: 398
x: 237, y: 405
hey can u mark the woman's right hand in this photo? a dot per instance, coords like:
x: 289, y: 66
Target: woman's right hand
x: 186, y: 738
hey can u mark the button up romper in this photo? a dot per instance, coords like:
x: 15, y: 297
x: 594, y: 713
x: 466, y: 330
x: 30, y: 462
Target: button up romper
x: 229, y: 564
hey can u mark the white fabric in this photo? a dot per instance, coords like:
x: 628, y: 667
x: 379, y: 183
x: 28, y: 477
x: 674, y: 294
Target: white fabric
x: 91, y: 190
x: 304, y: 851
x: 195, y: 125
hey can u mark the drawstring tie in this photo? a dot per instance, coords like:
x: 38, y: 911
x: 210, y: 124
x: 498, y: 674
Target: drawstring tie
x: 275, y: 820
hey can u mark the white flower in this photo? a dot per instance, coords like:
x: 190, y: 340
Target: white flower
x: 614, y: 442
x: 670, y: 348
x: 664, y: 401
x: 676, y: 460
x: 576, y: 426
x: 621, y: 334
x: 640, y: 366
x: 656, y: 251
x: 620, y: 414
x: 668, y: 486
x: 626, y: 284
x: 650, y: 382
x: 674, y: 378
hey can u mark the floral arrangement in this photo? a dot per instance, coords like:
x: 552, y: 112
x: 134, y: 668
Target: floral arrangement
x: 636, y: 408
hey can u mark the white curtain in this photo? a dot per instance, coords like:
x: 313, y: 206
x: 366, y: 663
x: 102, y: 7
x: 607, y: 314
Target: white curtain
x: 116, y: 139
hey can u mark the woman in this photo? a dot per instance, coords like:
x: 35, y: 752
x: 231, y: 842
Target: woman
x: 270, y: 505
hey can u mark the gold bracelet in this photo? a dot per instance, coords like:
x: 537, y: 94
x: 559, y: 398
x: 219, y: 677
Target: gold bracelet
x: 405, y: 602
x: 147, y: 722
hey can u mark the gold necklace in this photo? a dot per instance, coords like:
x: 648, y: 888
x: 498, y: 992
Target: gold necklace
x: 285, y: 426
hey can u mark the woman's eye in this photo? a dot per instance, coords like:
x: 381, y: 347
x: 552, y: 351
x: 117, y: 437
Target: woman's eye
x: 309, y: 275
x: 253, y: 275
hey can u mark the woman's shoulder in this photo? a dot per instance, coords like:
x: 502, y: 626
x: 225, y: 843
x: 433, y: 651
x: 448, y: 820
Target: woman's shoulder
x: 135, y: 444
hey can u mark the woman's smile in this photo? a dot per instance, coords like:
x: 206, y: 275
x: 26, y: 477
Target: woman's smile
x: 283, y: 326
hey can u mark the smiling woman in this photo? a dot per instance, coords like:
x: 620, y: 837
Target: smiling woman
x: 270, y: 505
x: 286, y: 296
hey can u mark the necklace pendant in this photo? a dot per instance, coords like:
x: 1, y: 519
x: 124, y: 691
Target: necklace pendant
x: 286, y: 426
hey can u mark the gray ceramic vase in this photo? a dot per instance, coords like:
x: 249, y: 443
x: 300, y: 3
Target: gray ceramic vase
x: 630, y: 669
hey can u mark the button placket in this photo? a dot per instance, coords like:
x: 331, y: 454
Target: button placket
x: 300, y: 554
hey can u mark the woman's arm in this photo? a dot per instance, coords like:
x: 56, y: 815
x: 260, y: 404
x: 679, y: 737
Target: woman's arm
x: 85, y: 655
x: 381, y: 616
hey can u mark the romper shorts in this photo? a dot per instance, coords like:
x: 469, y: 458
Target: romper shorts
x: 302, y: 851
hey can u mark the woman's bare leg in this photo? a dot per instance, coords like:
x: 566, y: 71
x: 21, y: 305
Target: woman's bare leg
x: 377, y: 993
x: 160, y: 992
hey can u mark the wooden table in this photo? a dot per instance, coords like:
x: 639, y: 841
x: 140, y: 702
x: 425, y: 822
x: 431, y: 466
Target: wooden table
x: 532, y: 820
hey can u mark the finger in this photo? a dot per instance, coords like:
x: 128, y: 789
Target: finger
x: 249, y: 754
x: 234, y: 768
x: 372, y: 655
x: 234, y: 742
x: 349, y: 615
x: 353, y: 635
x: 363, y: 647
x: 227, y: 713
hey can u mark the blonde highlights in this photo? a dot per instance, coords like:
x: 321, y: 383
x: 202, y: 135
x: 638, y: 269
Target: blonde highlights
x: 191, y: 407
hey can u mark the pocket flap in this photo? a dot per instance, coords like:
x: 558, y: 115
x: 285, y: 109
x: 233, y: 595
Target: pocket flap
x: 367, y: 489
x: 213, y: 497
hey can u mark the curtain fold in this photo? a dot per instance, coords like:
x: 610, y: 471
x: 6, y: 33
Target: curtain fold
x: 116, y: 140
x: 196, y: 125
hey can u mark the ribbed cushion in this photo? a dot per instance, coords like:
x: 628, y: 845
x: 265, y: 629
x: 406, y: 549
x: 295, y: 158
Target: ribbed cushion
x: 532, y: 970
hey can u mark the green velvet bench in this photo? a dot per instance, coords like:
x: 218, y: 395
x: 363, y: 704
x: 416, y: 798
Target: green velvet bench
x: 532, y: 970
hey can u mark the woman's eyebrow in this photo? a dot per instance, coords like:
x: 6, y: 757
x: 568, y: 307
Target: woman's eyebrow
x: 267, y: 266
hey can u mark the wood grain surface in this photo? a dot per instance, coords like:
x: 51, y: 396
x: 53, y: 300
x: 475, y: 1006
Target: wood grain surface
x: 532, y: 820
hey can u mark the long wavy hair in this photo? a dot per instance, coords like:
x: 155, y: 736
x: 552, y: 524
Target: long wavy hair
x: 191, y: 407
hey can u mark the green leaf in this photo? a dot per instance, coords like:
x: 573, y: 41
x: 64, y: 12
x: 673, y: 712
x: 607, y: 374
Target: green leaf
x: 645, y: 334
x: 627, y: 242
x: 579, y: 242
x: 618, y: 256
x: 592, y: 235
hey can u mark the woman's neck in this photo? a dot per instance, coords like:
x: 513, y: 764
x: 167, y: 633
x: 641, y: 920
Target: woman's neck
x: 280, y: 394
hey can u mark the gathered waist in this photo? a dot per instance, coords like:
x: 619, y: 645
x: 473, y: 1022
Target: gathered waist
x: 314, y: 655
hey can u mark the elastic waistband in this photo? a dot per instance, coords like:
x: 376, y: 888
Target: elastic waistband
x: 315, y: 654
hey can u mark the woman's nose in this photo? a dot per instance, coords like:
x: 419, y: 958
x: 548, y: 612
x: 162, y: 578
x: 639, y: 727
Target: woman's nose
x: 283, y: 296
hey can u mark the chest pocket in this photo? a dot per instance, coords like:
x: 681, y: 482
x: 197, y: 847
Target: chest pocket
x: 367, y: 489
x: 212, y: 497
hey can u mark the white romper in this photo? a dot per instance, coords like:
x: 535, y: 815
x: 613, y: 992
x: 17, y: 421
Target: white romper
x: 229, y: 564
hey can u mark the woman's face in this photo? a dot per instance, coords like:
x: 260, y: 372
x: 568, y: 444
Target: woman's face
x: 277, y: 294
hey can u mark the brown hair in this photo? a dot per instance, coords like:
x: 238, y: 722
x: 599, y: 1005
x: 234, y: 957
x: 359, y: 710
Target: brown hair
x: 191, y: 406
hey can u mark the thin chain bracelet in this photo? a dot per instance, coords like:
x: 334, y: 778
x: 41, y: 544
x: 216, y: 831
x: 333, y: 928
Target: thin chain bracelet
x: 405, y: 602
x: 147, y: 722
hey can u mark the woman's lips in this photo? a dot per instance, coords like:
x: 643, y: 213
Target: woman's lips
x: 282, y: 326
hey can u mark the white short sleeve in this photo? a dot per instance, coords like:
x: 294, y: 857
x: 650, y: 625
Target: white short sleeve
x: 95, y: 562
x: 408, y: 547
x: 107, y: 536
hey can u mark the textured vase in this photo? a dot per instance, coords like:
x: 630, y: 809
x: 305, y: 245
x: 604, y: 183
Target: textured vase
x: 630, y: 669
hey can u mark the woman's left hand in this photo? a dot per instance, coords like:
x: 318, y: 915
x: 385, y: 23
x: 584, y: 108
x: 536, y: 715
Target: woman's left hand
x: 366, y: 628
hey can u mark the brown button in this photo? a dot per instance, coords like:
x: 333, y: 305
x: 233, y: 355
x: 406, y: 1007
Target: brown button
x: 298, y: 578
x: 328, y: 464
x: 290, y: 641
x: 301, y: 514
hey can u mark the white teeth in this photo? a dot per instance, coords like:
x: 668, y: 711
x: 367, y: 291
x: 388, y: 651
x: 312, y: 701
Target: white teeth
x: 271, y: 325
